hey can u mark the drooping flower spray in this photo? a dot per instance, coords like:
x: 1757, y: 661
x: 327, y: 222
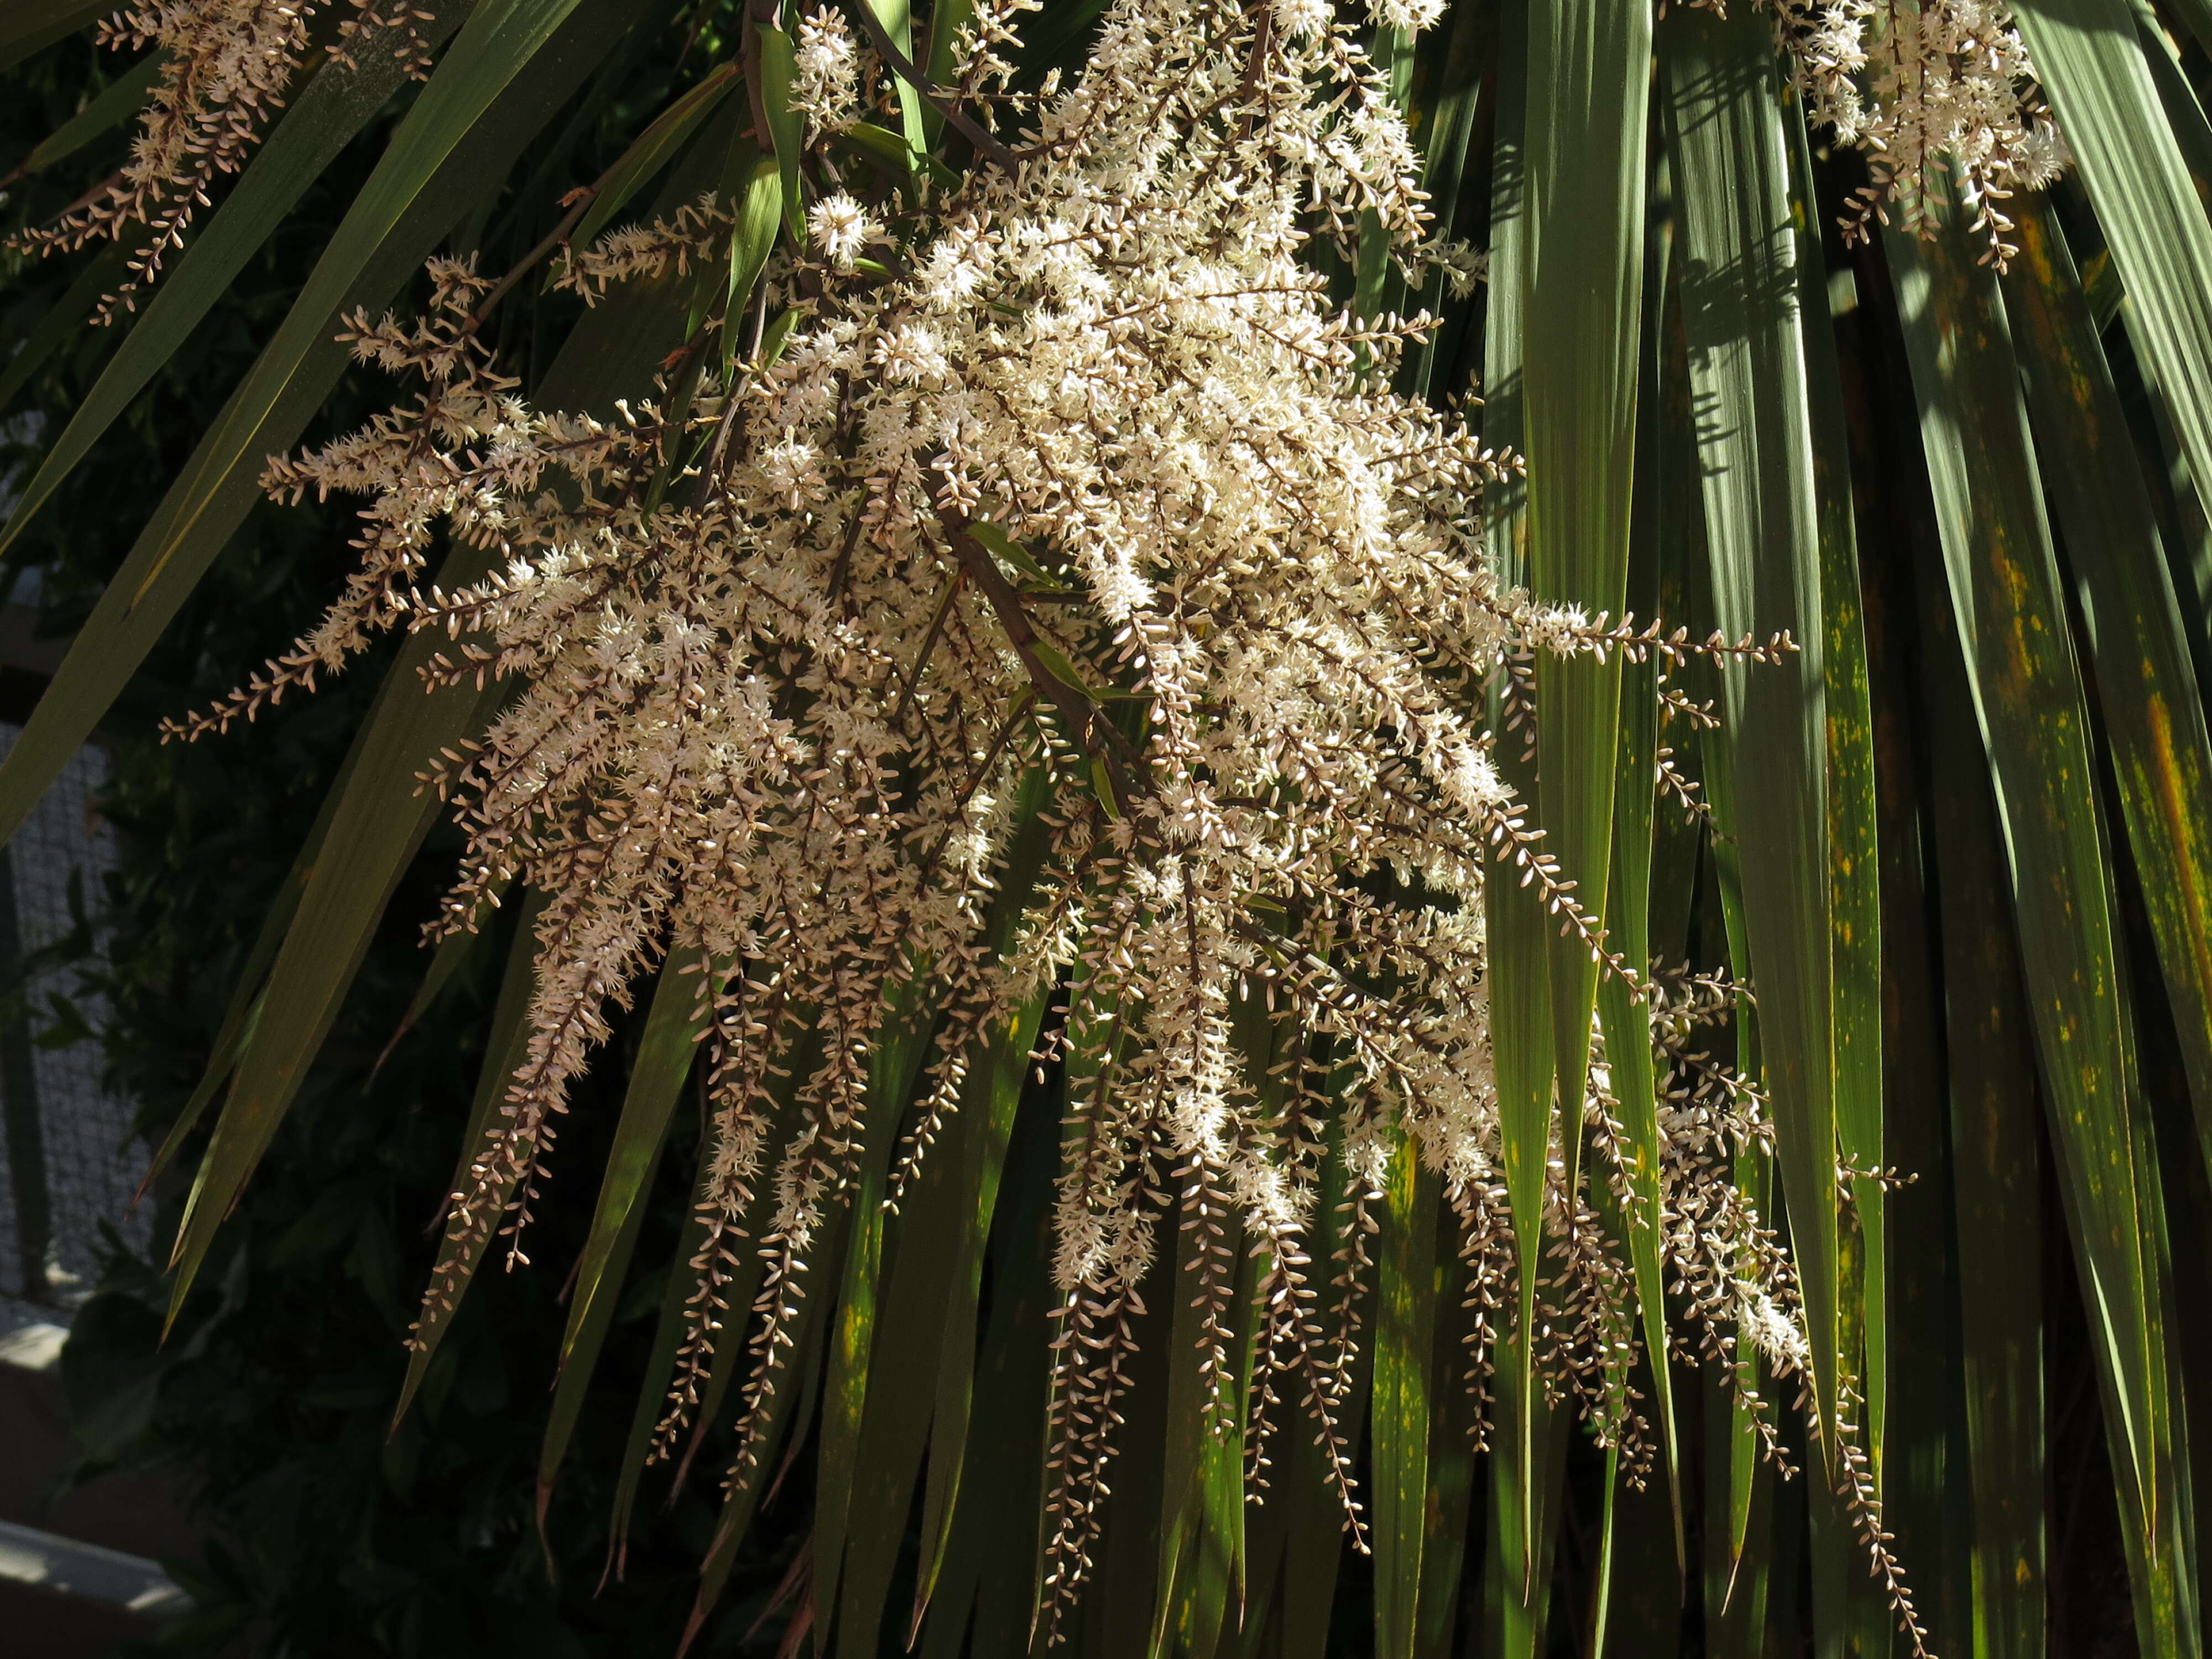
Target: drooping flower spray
x: 1037, y: 598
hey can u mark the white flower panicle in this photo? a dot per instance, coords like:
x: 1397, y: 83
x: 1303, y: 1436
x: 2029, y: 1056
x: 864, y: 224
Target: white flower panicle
x: 696, y: 231
x: 1920, y: 87
x: 226, y: 68
x: 826, y: 83
x: 1061, y: 618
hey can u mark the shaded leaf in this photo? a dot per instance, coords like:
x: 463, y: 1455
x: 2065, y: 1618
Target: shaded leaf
x: 2003, y: 581
x: 683, y: 999
x: 1747, y: 369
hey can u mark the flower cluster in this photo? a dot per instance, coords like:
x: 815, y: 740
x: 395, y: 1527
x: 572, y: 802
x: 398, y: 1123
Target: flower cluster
x: 825, y: 85
x: 1920, y: 86
x: 1064, y: 609
x: 226, y: 67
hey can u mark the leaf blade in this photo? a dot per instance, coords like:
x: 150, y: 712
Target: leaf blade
x: 1746, y: 366
x: 433, y: 169
x: 2002, y: 577
x: 682, y: 1001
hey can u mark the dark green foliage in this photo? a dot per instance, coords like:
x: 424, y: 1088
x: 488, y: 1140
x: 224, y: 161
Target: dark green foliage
x: 271, y: 1401
x: 908, y: 1448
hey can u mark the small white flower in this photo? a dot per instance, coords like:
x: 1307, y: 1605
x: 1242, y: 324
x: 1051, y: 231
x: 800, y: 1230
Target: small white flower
x: 1411, y: 16
x: 911, y: 354
x: 791, y: 469
x: 841, y: 229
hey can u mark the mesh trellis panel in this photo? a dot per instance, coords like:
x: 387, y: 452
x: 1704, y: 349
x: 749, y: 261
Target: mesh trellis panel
x: 68, y: 1165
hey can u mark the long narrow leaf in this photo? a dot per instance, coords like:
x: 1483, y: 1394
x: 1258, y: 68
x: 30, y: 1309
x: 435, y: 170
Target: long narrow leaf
x: 1996, y: 1176
x: 1405, y: 1325
x: 2091, y: 63
x: 1725, y: 120
x: 474, y: 118
x: 2161, y: 753
x: 34, y: 24
x: 682, y: 1000
x: 1518, y: 966
x: 1657, y: 530
x: 653, y: 149
x: 2004, y: 587
x: 1854, y: 858
x: 1588, y: 81
x: 903, y: 1047
x: 457, y: 1257
x: 115, y: 104
x: 993, y: 1092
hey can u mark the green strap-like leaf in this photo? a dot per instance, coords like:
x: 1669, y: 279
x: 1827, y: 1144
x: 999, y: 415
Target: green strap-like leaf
x: 1664, y: 499
x: 2005, y: 586
x: 2162, y: 754
x: 1996, y: 1186
x: 946, y: 19
x: 974, y: 1568
x: 1732, y: 1453
x: 897, y: 18
x: 1444, y: 120
x: 651, y: 150
x: 62, y: 321
x: 1518, y: 967
x: 968, y: 1170
x: 1854, y: 856
x: 1200, y: 1549
x: 1581, y: 283
x: 2185, y: 115
x: 683, y: 999
x: 2092, y: 63
x: 506, y: 1038
x: 1923, y: 1487
x: 904, y: 1046
x: 751, y: 240
x: 783, y: 135
x: 1314, y: 1522
x: 1405, y: 1329
x: 115, y: 104
x: 479, y: 110
x: 1455, y: 1417
x: 1643, y: 1609
x: 1848, y: 1607
x: 29, y: 26
x: 1739, y: 1529
x: 1517, y: 1588
x: 1725, y: 123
